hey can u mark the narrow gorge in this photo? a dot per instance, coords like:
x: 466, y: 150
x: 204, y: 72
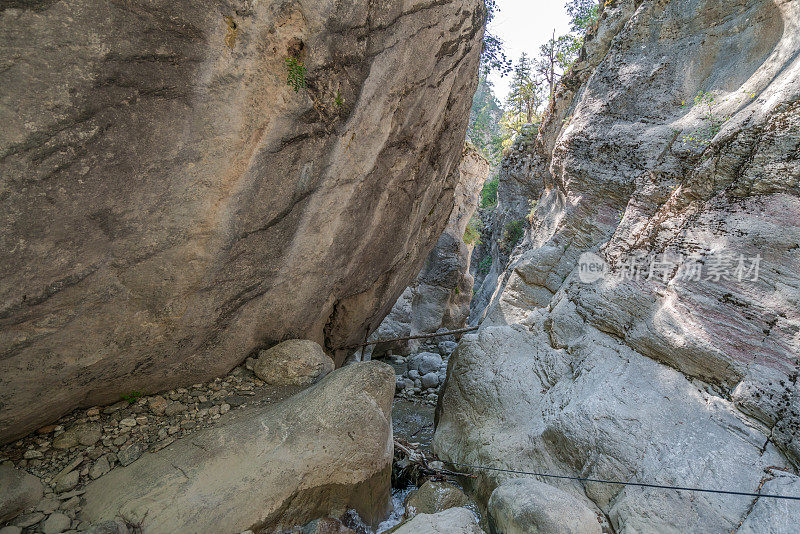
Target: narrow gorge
x: 264, y: 268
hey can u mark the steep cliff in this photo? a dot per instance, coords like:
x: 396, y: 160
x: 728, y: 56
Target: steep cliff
x: 170, y: 203
x: 504, y: 225
x: 441, y: 294
x: 668, y: 355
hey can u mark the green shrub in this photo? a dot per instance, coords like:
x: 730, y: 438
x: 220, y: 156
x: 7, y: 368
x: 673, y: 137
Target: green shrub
x: 296, y: 77
x: 472, y: 235
x: 512, y: 234
x: 131, y: 397
x: 712, y: 123
x: 485, y: 265
x: 489, y: 193
x: 532, y: 211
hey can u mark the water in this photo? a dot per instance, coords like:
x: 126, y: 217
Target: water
x: 413, y: 422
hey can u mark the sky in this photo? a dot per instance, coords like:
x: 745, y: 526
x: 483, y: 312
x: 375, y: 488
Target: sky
x: 525, y: 25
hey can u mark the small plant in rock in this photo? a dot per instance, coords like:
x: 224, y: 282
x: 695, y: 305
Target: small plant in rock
x: 512, y: 234
x: 338, y: 101
x: 296, y: 74
x: 712, y: 123
x: 132, y: 397
x: 532, y: 211
x: 485, y: 265
x: 472, y: 235
x: 489, y: 193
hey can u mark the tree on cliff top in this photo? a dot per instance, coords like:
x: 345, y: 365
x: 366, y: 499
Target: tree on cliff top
x: 493, y: 57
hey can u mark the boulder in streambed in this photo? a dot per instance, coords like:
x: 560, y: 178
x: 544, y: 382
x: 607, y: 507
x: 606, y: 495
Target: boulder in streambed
x: 325, y: 449
x: 297, y: 362
x: 18, y: 491
x: 526, y: 506
x: 433, y: 497
x: 452, y: 521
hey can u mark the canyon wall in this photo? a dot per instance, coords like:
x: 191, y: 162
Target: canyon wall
x: 647, y: 327
x: 440, y: 296
x: 183, y: 183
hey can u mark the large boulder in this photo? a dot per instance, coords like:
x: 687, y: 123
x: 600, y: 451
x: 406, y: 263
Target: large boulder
x: 663, y: 356
x: 433, y: 497
x: 325, y: 450
x: 526, y: 506
x: 452, y: 521
x: 297, y: 362
x: 18, y: 491
x: 170, y: 204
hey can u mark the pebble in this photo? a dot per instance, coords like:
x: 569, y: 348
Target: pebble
x: 100, y: 468
x: 48, y: 505
x: 174, y: 408
x: 28, y: 520
x: 157, y: 404
x: 71, y: 503
x: 56, y: 523
x: 67, y: 482
x: 130, y: 454
x: 114, y: 408
x: 31, y: 454
x: 11, y: 530
x: 129, y: 422
x: 430, y: 380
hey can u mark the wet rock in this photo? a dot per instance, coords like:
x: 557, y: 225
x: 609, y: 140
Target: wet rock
x: 18, y: 491
x: 297, y: 362
x: 326, y: 525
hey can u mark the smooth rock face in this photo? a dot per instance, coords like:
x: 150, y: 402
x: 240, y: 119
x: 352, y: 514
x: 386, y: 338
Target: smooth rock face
x: 452, y: 521
x: 170, y: 204
x: 18, y: 491
x: 526, y: 506
x: 297, y: 362
x: 441, y: 294
x: 688, y: 382
x: 326, y: 448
